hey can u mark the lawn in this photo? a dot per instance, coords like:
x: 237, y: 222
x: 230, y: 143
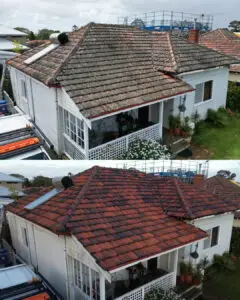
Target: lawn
x: 223, y: 286
x: 221, y: 143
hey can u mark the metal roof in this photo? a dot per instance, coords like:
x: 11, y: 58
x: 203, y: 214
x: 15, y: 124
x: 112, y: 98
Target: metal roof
x: 15, y: 275
x: 7, y: 31
x: 6, y: 192
x: 9, y: 45
x: 8, y: 178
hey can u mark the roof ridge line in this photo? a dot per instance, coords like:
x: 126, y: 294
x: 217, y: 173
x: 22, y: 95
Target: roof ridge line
x: 172, y: 52
x: 88, y: 26
x: 62, y: 226
x: 189, y: 212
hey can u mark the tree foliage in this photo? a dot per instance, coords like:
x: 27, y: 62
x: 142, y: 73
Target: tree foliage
x: 22, y: 29
x: 31, y: 36
x: 39, y: 181
x: 234, y: 25
x: 233, y: 97
x: 226, y: 174
x: 45, y: 33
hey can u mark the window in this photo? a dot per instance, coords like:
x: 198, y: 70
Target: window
x: 212, y: 239
x: 208, y: 90
x: 74, y: 128
x: 203, y: 92
x: 24, y: 89
x: 24, y: 236
x: 82, y: 276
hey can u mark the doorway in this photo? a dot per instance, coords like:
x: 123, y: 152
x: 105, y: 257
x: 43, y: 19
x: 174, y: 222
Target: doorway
x: 143, y: 114
x: 153, y: 264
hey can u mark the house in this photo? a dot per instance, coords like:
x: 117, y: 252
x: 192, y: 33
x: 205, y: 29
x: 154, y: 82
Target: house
x: 224, y: 189
x: 7, y: 38
x: 93, y: 236
x: 227, y: 42
x: 94, y: 91
x: 11, y: 181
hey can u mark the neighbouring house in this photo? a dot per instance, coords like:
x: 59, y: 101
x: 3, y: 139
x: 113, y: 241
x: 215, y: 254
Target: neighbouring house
x: 106, y: 228
x: 227, y: 42
x: 8, y: 36
x: 11, y: 181
x: 224, y: 189
x: 94, y: 91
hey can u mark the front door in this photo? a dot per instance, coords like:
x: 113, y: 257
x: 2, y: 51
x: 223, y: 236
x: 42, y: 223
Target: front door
x: 143, y: 114
x: 152, y: 264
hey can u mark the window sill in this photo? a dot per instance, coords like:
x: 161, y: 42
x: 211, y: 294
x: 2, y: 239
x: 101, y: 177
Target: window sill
x: 203, y: 102
x: 74, y: 143
x: 210, y: 248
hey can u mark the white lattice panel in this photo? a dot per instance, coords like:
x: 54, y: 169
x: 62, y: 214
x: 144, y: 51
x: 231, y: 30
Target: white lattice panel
x: 115, y: 148
x: 165, y: 282
x: 72, y: 150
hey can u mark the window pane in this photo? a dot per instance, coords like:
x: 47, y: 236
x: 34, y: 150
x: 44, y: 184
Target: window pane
x: 24, y: 236
x: 24, y: 89
x: 215, y: 233
x: 77, y: 273
x: 208, y: 90
x: 73, y: 134
x: 207, y: 241
x: 86, y: 282
x: 199, y: 93
x: 66, y: 122
x: 95, y: 285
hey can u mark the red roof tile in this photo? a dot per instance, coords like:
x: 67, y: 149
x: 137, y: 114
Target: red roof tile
x: 122, y: 216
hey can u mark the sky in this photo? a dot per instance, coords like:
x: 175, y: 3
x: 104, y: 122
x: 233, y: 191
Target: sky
x: 62, y: 14
x: 62, y: 168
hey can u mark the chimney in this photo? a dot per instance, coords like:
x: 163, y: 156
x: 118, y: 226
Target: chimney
x: 193, y: 36
x: 198, y: 180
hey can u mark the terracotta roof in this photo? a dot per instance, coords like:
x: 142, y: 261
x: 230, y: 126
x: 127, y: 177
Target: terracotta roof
x: 107, y: 68
x: 222, y: 40
x: 235, y: 69
x: 123, y: 216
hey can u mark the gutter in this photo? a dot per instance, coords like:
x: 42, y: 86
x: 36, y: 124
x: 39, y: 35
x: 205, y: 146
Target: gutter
x: 198, y: 71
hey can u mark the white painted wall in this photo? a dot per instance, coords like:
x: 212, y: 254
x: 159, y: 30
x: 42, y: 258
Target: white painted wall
x: 225, y: 233
x: 220, y: 86
x: 48, y: 253
x: 235, y: 77
x: 40, y: 105
x: 45, y: 251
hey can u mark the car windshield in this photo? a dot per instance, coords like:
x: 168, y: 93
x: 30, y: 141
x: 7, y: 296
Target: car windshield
x: 39, y: 156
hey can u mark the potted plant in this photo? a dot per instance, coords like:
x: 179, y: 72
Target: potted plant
x: 183, y: 271
x: 172, y: 123
x: 188, y: 277
x: 177, y: 126
x: 197, y: 276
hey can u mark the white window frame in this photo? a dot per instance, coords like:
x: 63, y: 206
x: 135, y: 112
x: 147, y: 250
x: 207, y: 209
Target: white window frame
x: 25, y: 237
x: 208, y: 242
x: 74, y: 128
x: 200, y: 88
x: 86, y: 279
x: 24, y: 91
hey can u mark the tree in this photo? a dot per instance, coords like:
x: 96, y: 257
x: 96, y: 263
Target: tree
x: 41, y: 181
x: 233, y: 97
x: 234, y: 25
x: 23, y: 29
x: 44, y: 34
x: 31, y: 36
x: 17, y: 47
x: 226, y: 174
x: 27, y: 183
x: 18, y: 176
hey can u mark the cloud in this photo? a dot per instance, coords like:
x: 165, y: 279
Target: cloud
x: 62, y: 14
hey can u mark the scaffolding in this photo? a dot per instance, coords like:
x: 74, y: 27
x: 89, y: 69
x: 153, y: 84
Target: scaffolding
x: 166, y: 20
x: 184, y: 170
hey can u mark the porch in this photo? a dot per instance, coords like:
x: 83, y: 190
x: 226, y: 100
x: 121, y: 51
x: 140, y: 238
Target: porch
x: 136, y: 281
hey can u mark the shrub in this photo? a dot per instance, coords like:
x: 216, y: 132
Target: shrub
x: 144, y: 149
x: 224, y: 262
x: 159, y: 294
x: 235, y: 242
x: 233, y: 97
x: 217, y: 118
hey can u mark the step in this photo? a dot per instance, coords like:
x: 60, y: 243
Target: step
x: 179, y: 147
x: 192, y: 293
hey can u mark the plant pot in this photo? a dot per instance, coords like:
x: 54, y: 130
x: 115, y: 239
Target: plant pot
x: 170, y: 131
x: 188, y: 279
x: 184, y: 134
x: 196, y: 281
x: 177, y: 131
x: 182, y: 278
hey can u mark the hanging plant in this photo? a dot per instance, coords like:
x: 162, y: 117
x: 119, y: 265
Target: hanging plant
x: 182, y: 108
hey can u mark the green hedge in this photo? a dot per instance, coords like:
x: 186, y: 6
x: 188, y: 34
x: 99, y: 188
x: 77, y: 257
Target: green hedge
x: 233, y: 97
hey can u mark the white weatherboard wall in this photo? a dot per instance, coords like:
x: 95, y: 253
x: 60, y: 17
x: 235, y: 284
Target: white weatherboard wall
x: 219, y: 93
x: 46, y: 251
x: 225, y: 233
x: 40, y: 105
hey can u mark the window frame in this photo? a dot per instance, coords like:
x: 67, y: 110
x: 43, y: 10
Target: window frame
x: 74, y: 128
x: 24, y: 91
x: 210, y: 238
x: 25, y: 237
x: 200, y: 89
